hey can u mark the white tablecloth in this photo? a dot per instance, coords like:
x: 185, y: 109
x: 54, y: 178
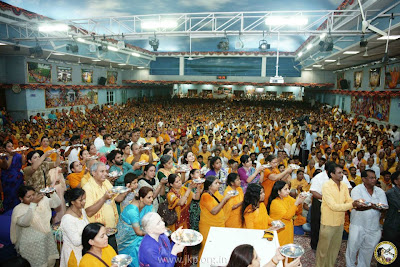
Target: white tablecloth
x: 222, y: 241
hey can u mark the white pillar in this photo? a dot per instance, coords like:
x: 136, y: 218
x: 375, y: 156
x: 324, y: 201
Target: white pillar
x: 263, y: 66
x: 181, y: 66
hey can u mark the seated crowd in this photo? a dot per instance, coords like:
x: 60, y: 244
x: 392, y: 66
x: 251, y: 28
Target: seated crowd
x: 268, y: 153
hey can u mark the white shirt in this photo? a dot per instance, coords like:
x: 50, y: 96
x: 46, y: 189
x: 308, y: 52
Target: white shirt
x: 99, y: 142
x: 367, y: 218
x: 141, y: 141
x: 318, y: 181
x: 374, y: 168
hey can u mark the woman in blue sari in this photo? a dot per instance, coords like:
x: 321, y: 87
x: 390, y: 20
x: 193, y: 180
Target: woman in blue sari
x: 11, y: 175
x: 130, y: 232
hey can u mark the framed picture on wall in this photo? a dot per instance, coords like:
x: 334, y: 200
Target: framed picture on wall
x: 392, y: 76
x: 64, y: 74
x: 39, y: 72
x: 358, y: 75
x: 87, y: 76
x: 339, y: 77
x: 112, y: 77
x: 374, y: 78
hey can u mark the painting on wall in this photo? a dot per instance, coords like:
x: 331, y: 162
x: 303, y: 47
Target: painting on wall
x: 392, y: 76
x: 339, y: 77
x: 87, y: 76
x: 374, y: 77
x: 64, y: 74
x: 358, y: 75
x: 39, y: 72
x: 67, y: 98
x: 112, y: 77
x: 371, y: 107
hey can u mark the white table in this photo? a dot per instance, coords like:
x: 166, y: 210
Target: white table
x: 222, y: 241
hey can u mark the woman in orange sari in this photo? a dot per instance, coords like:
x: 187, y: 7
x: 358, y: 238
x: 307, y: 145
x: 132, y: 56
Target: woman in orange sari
x: 254, y: 214
x: 211, y: 208
x: 232, y: 207
x: 179, y: 198
x: 272, y: 174
x: 283, y: 207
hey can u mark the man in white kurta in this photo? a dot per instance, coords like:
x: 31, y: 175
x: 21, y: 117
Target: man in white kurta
x: 365, y: 231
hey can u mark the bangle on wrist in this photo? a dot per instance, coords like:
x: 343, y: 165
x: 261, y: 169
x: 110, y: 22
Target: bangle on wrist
x: 275, y: 263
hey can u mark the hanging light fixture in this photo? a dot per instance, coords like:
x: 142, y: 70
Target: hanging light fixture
x: 263, y: 45
x: 224, y: 43
x: 154, y: 42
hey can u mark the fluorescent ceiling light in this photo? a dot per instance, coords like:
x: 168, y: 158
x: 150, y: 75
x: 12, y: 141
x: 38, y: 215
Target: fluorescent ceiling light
x: 81, y: 40
x: 307, y: 69
x: 317, y: 66
x: 300, y: 54
x: 58, y: 54
x: 121, y: 64
x: 112, y: 48
x: 322, y: 36
x: 96, y: 59
x: 135, y: 54
x: 330, y: 60
x: 151, y: 24
x: 3, y: 44
x: 53, y: 28
x: 391, y: 37
x: 351, y: 52
x: 309, y: 46
x: 289, y: 21
x: 140, y: 67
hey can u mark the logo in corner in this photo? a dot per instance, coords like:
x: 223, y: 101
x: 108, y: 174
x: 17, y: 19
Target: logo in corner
x: 385, y: 252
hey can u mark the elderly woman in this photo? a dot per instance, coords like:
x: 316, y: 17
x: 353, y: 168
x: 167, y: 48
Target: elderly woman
x: 156, y: 250
x: 30, y: 230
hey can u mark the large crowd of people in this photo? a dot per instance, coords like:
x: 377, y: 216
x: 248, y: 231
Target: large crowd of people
x: 197, y: 164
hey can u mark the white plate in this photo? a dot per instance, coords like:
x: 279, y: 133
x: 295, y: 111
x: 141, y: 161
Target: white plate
x: 115, y: 174
x: 267, y: 166
x: 47, y: 190
x: 294, y: 166
x: 143, y: 163
x: 199, y: 181
x: 3, y: 154
x: 119, y: 189
x: 187, y: 237
x: 292, y: 250
x: 122, y: 260
x: 233, y: 193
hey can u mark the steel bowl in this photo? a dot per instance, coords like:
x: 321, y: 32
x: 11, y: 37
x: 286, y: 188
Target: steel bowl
x: 122, y: 260
x: 292, y: 250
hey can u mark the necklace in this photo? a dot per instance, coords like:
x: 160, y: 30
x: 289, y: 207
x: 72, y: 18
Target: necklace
x: 79, y: 216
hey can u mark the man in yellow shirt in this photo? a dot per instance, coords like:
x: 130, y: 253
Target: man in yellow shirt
x: 299, y: 184
x: 205, y: 153
x: 100, y: 201
x: 336, y: 201
x: 353, y: 177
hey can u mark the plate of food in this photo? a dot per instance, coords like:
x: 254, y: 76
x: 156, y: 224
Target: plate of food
x: 199, y: 181
x: 382, y: 206
x: 18, y: 149
x: 276, y: 225
x: 306, y: 194
x: 3, y: 154
x: 291, y: 250
x: 114, y: 174
x: 365, y: 203
x: 93, y: 158
x: 294, y: 166
x: 122, y: 260
x: 119, y: 189
x: 47, y: 190
x: 184, y: 168
x: 111, y: 231
x: 146, y: 148
x: 267, y: 166
x: 187, y: 237
x: 233, y: 192
x: 143, y: 163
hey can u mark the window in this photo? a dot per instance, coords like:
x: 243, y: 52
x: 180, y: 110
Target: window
x: 110, y: 98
